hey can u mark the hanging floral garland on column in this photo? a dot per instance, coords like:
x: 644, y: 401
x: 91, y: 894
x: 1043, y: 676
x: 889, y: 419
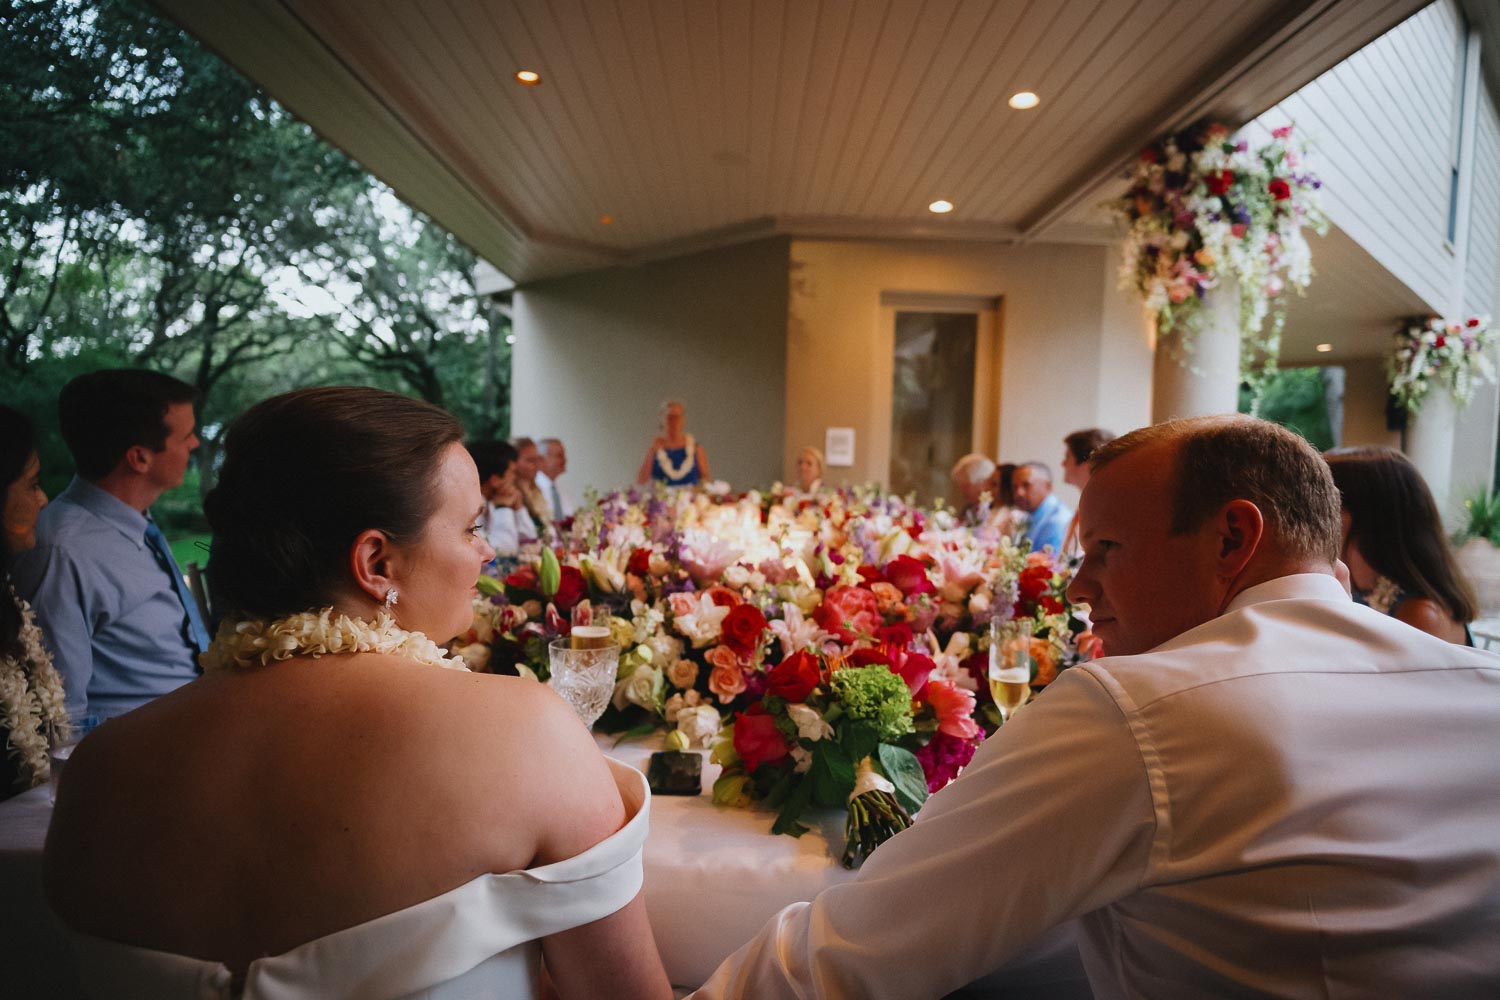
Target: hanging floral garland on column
x: 1434, y: 351
x: 1202, y: 205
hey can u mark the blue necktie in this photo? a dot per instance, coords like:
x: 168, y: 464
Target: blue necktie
x: 197, y: 632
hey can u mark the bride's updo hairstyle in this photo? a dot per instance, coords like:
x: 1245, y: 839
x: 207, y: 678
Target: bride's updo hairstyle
x: 304, y: 473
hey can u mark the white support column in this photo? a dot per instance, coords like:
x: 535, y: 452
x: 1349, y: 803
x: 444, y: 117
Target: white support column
x: 1209, y: 382
x: 1429, y: 445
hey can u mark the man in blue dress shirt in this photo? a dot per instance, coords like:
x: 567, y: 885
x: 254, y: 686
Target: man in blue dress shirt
x: 1050, y: 517
x: 109, y: 597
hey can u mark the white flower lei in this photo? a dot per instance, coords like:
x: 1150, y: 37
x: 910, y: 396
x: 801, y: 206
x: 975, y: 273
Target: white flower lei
x: 688, y: 460
x: 255, y: 642
x: 31, y: 698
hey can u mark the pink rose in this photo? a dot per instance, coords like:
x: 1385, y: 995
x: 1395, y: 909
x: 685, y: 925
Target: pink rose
x: 954, y: 708
x: 682, y: 604
x: 847, y: 611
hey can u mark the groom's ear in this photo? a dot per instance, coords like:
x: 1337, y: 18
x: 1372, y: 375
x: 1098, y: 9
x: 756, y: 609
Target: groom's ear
x: 1239, y: 529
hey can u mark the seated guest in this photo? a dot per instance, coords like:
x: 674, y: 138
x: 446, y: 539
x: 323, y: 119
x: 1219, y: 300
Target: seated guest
x: 505, y: 522
x: 554, y: 463
x: 674, y: 458
x: 31, y: 692
x: 1264, y: 790
x: 1077, y: 447
x: 1392, y: 541
x: 327, y: 811
x: 122, y: 625
x: 528, y: 467
x: 1048, y: 516
x: 809, y: 469
x: 1004, y: 518
x: 972, y: 477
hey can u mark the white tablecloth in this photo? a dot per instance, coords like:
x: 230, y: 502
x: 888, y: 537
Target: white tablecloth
x: 713, y: 877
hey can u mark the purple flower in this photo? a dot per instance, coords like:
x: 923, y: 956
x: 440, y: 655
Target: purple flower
x: 945, y: 756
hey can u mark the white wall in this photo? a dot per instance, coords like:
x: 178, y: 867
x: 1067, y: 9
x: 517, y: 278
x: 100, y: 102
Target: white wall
x: 596, y: 354
x: 1075, y: 352
x: 1382, y: 124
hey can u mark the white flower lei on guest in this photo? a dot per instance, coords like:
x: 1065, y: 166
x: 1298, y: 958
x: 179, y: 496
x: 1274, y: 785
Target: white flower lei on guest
x: 688, y: 460
x: 31, y: 698
x: 256, y: 642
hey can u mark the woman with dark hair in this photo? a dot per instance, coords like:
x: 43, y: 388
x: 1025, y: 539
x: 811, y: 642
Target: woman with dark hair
x: 1077, y: 447
x: 328, y: 811
x: 31, y: 692
x: 1399, y: 562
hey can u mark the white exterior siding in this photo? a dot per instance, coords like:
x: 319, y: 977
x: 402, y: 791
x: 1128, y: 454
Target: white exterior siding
x: 1382, y: 125
x: 1484, y: 217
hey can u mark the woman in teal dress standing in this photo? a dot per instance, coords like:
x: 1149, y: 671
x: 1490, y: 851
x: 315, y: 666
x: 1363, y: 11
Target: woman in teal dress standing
x: 674, y: 458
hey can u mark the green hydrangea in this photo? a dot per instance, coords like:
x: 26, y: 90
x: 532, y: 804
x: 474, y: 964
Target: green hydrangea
x: 875, y: 695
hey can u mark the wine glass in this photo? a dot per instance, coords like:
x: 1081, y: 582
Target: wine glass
x: 583, y: 671
x: 1010, y: 665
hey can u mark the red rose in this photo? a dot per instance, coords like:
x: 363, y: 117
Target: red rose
x: 1472, y: 323
x: 523, y: 579
x: 1219, y: 181
x: 913, y: 668
x: 742, y: 629
x: 794, y: 677
x: 1149, y: 155
x: 909, y: 575
x: 869, y: 574
x: 867, y: 656
x: 1280, y: 189
x: 757, y: 740
x: 897, y: 636
x: 847, y: 611
x: 571, y: 588
x: 640, y: 562
x: 722, y: 597
x: 1441, y: 341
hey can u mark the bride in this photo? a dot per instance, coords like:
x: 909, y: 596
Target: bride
x: 362, y: 822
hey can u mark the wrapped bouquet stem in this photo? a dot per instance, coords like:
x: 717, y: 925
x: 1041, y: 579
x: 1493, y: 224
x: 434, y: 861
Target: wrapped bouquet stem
x: 875, y: 814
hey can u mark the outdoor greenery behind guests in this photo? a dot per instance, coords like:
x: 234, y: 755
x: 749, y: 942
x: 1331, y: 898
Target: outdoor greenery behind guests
x: 157, y: 209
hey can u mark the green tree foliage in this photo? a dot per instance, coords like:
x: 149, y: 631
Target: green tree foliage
x: 157, y: 209
x: 1295, y: 399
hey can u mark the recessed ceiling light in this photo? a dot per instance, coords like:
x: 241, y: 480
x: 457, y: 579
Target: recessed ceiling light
x: 606, y: 220
x: 940, y: 206
x: 529, y: 77
x: 1025, y: 99
x: 1324, y: 348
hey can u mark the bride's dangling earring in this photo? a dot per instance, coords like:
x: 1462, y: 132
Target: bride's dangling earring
x: 390, y: 598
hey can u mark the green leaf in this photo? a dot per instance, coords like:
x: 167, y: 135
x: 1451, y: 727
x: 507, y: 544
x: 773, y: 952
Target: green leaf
x: 549, y: 576
x: 832, y: 774
x: 905, y: 771
x: 792, y: 810
x: 859, y: 740
x: 639, y: 729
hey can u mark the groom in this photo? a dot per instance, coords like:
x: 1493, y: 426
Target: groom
x: 1263, y: 789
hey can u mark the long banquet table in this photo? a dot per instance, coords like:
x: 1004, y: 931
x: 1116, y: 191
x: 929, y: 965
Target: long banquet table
x: 713, y: 877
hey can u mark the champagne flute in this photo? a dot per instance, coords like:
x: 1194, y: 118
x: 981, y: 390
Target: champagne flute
x: 1010, y: 665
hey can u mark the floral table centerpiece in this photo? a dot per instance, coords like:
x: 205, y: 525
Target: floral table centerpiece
x: 1201, y: 206
x: 749, y: 625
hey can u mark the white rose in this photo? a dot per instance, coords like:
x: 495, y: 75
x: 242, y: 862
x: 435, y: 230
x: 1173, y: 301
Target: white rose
x: 979, y: 603
x: 665, y: 650
x: 637, y: 689
x: 683, y: 673
x: 810, y: 724
x: 700, y: 725
x: 736, y: 576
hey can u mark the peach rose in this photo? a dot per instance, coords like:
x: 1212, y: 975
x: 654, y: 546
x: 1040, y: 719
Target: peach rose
x: 727, y: 678
x: 1045, y: 655
x: 888, y: 598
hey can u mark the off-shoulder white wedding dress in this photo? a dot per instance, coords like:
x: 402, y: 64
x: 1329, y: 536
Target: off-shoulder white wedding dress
x: 481, y: 939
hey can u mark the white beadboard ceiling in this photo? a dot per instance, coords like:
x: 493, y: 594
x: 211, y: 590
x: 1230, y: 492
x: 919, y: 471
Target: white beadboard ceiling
x: 695, y: 123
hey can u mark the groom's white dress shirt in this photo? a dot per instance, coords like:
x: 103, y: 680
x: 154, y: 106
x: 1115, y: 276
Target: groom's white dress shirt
x: 1300, y: 798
